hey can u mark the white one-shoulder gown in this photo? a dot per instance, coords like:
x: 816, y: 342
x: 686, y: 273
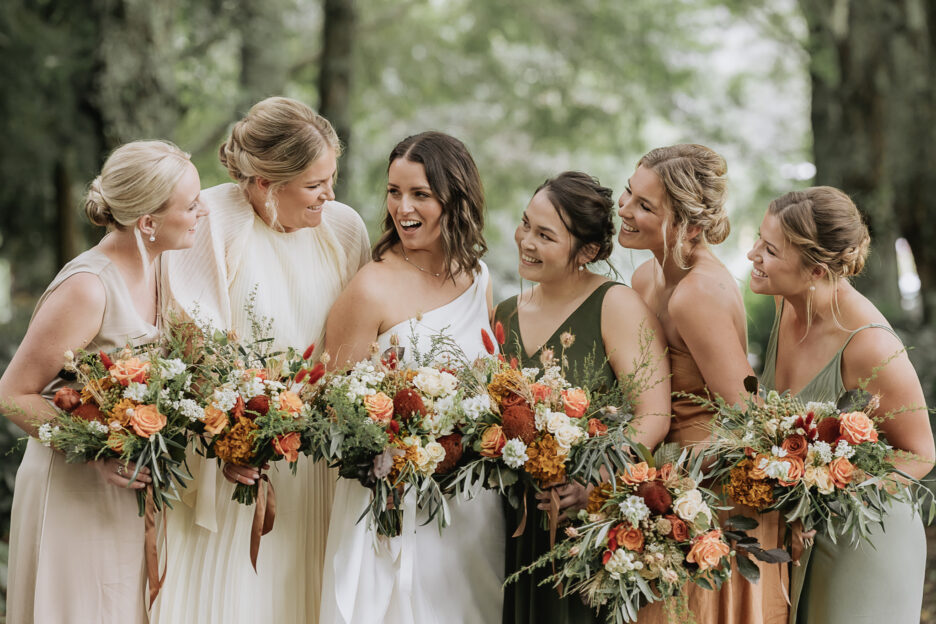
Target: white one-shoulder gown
x: 421, y: 577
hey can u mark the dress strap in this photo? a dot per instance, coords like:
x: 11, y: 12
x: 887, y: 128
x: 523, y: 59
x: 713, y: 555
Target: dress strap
x: 864, y: 327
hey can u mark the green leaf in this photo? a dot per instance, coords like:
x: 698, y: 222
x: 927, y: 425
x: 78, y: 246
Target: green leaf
x: 748, y: 569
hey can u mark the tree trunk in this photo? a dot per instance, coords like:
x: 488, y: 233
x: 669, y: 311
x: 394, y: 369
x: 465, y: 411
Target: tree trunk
x: 335, y: 77
x: 873, y: 126
x: 65, y: 222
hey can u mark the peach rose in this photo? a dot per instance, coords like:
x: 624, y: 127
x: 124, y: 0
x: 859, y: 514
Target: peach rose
x: 67, y: 399
x: 637, y: 473
x: 575, y: 402
x: 115, y: 441
x: 596, y: 428
x: 540, y: 392
x: 290, y: 402
x: 631, y: 538
x: 707, y: 550
x: 796, y: 445
x: 379, y: 407
x: 679, y: 531
x: 130, y: 370
x: 288, y: 445
x: 215, y: 420
x: 493, y: 441
x: 146, y: 420
x: 665, y: 472
x: 794, y: 472
x: 758, y: 469
x: 856, y: 428
x: 841, y: 471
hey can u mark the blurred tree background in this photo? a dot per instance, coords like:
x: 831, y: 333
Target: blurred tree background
x: 793, y: 93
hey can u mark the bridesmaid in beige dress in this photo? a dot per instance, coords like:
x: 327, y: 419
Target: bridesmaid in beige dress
x: 279, y: 236
x: 76, y: 542
x: 674, y: 206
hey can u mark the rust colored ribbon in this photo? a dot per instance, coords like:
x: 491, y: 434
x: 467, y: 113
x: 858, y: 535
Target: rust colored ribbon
x: 264, y: 515
x: 151, y: 554
x: 523, y: 520
x: 554, y: 526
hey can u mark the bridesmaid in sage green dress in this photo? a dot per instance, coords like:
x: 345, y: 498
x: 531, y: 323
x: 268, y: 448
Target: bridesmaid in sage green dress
x: 810, y: 243
x: 566, y: 226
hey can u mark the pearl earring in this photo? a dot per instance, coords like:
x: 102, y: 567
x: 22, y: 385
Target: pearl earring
x: 581, y: 267
x: 152, y: 238
x: 812, y: 288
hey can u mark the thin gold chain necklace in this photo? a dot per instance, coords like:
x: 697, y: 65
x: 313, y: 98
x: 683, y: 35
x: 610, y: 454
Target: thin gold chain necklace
x: 405, y: 257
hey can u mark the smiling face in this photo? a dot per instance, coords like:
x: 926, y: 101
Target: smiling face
x: 175, y: 226
x: 778, y: 265
x: 300, y: 202
x: 414, y: 208
x: 543, y: 242
x: 643, y: 209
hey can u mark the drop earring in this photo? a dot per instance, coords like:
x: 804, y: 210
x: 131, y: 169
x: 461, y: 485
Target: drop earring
x: 152, y: 238
x: 812, y: 288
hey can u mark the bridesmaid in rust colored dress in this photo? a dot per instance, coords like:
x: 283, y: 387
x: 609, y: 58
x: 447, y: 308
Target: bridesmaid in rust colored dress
x: 674, y: 207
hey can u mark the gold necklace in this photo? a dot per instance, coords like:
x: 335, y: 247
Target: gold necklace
x: 405, y: 257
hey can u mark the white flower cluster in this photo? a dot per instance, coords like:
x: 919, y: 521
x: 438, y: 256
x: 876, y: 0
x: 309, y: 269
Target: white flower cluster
x: 427, y: 457
x: 823, y: 450
x: 98, y: 428
x: 473, y: 407
x: 443, y: 416
x: 135, y: 392
x: 515, y: 454
x: 821, y: 409
x: 621, y: 562
x: 46, y: 431
x: 776, y: 469
x: 190, y: 409
x: 435, y: 383
x: 844, y: 449
x: 529, y: 374
x: 552, y: 377
x: 251, y: 386
x: 361, y: 381
x: 173, y: 368
x: 786, y: 425
x: 224, y: 397
x: 634, y: 509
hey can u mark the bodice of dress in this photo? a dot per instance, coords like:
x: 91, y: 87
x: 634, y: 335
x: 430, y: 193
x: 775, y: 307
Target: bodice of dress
x: 584, y: 324
x: 121, y: 325
x: 690, y: 423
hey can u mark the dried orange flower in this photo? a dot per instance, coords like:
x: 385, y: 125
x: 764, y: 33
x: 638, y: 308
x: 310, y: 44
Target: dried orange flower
x: 119, y: 413
x: 746, y: 490
x: 506, y: 382
x: 545, y: 464
x: 236, y: 446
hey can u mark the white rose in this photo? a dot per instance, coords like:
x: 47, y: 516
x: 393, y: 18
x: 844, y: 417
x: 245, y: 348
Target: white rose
x: 436, y: 452
x: 567, y: 436
x: 422, y: 457
x: 556, y: 421
x: 690, y: 505
x: 435, y: 383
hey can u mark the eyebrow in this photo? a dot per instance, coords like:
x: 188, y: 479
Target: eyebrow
x: 541, y: 228
x: 640, y: 197
x: 320, y: 180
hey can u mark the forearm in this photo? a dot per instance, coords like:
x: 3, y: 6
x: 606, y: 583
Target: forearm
x: 26, y: 411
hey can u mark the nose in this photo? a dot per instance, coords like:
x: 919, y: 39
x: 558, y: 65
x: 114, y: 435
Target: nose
x: 753, y: 254
x: 203, y: 211
x: 622, y: 204
x: 330, y: 190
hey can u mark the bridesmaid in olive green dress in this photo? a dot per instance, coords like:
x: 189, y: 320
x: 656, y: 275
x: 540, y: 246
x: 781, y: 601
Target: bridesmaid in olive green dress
x: 810, y: 243
x: 566, y: 226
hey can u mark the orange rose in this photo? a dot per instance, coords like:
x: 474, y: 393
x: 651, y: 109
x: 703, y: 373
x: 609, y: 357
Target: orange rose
x: 794, y: 472
x: 795, y: 445
x: 290, y: 402
x: 288, y: 445
x: 540, y: 392
x: 637, y: 473
x: 130, y: 370
x: 115, y: 441
x: 665, y: 472
x: 707, y: 550
x: 215, y: 420
x: 631, y: 538
x: 493, y: 441
x: 575, y: 402
x: 679, y: 532
x: 841, y: 471
x: 856, y: 428
x: 596, y: 428
x: 379, y: 407
x: 146, y: 420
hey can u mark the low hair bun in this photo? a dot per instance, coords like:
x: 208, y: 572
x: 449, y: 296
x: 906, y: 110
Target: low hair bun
x: 96, y: 207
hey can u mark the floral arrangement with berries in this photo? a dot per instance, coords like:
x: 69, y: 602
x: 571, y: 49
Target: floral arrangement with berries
x: 132, y: 404
x: 641, y: 538
x: 823, y: 464
x: 393, y: 424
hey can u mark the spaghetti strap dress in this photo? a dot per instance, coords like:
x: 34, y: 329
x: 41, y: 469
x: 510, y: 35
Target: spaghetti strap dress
x: 875, y: 582
x: 526, y: 601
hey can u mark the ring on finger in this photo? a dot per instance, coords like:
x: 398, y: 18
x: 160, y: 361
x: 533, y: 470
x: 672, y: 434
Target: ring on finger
x: 121, y: 470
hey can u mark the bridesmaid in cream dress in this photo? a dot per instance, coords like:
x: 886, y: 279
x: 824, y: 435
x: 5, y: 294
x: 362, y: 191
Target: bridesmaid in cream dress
x: 76, y: 541
x: 277, y: 234
x: 430, y: 250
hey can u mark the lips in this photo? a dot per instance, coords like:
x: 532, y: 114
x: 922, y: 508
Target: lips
x: 757, y: 273
x: 529, y: 259
x: 627, y: 228
x: 409, y: 225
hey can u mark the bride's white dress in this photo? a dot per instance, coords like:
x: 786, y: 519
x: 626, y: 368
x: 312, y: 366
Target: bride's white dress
x: 421, y: 577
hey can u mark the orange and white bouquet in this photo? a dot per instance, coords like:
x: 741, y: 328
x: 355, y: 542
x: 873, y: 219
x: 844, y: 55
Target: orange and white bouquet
x: 823, y: 464
x: 640, y: 540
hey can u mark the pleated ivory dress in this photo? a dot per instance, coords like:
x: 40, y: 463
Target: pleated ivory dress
x: 840, y: 583
x: 422, y: 576
x: 293, y: 278
x: 76, y: 541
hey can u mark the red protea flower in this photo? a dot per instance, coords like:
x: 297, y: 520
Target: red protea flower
x: 106, y: 361
x: 317, y: 372
x: 828, y: 429
x: 453, y: 452
x: 499, y: 333
x: 407, y: 403
x: 88, y: 411
x: 519, y: 421
x: 308, y: 352
x: 488, y: 343
x: 260, y: 404
x: 656, y: 496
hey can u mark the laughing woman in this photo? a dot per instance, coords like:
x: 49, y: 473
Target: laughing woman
x: 673, y: 206
x: 810, y: 243
x: 567, y: 227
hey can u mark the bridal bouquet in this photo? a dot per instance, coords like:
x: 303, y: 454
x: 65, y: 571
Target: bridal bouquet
x: 133, y: 404
x: 823, y: 464
x: 640, y: 540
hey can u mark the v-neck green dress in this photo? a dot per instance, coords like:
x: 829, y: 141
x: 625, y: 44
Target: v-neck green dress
x: 841, y: 583
x: 526, y: 601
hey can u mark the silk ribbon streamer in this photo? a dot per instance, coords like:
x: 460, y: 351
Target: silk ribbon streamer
x: 151, y: 554
x: 264, y: 515
x: 553, y: 525
x: 407, y: 545
x: 523, y: 520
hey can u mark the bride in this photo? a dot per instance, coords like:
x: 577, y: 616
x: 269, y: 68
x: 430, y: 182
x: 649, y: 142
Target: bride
x: 426, y: 277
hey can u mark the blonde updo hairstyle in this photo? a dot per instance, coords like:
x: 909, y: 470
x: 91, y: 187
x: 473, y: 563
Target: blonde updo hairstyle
x: 694, y: 179
x: 277, y: 140
x: 137, y: 180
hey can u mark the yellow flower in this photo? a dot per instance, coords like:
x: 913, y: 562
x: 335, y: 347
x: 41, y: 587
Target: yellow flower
x: 506, y: 382
x: 236, y: 446
x: 744, y: 489
x: 545, y: 464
